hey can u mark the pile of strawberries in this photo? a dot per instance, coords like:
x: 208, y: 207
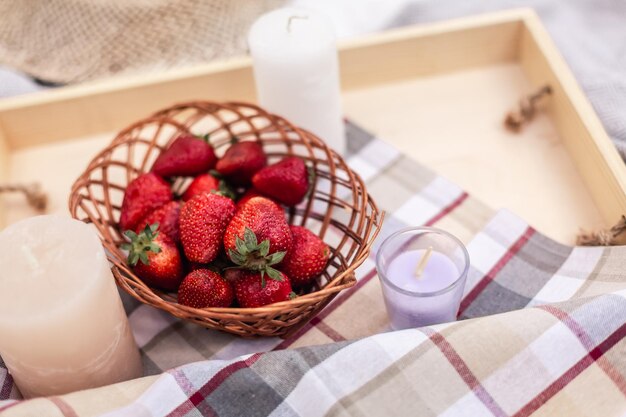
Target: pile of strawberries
x: 225, y: 241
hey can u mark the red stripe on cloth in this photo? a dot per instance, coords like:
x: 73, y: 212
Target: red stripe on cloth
x: 13, y: 404
x: 325, y: 312
x: 572, y: 373
x: 464, y: 372
x: 212, y: 384
x: 317, y: 320
x: 617, y: 378
x: 333, y: 334
x: 448, y: 209
x: 7, y: 386
x: 183, y: 382
x: 64, y: 407
x: 491, y: 275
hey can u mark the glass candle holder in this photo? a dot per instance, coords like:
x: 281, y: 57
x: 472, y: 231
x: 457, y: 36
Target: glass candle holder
x: 422, y: 272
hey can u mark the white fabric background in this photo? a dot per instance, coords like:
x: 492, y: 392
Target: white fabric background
x: 591, y: 35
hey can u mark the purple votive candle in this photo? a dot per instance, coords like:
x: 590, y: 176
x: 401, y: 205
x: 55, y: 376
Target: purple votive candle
x: 415, y: 296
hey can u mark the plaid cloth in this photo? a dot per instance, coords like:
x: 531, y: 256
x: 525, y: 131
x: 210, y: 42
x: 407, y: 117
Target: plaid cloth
x: 545, y: 335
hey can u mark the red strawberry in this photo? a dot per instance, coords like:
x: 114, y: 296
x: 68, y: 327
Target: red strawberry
x: 307, y: 258
x: 247, y: 196
x: 241, y: 161
x: 204, y: 183
x: 203, y: 288
x: 253, y: 290
x: 207, y: 183
x: 143, y: 195
x: 286, y: 181
x: 266, y: 222
x: 154, y: 258
x: 187, y: 156
x: 203, y: 220
x: 166, y: 217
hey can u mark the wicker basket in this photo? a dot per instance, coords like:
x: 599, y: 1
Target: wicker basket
x: 339, y: 209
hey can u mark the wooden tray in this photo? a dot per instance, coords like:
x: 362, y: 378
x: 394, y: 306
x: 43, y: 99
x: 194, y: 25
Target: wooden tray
x: 438, y: 92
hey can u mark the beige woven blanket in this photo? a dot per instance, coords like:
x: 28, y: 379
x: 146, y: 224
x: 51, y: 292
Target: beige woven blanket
x: 67, y: 41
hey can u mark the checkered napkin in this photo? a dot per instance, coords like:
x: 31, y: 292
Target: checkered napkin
x: 545, y: 331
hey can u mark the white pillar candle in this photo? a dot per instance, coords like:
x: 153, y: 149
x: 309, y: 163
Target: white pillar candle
x: 62, y: 324
x: 296, y: 71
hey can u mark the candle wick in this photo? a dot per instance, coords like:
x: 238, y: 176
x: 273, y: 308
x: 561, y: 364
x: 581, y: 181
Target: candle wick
x: 422, y: 263
x: 291, y: 18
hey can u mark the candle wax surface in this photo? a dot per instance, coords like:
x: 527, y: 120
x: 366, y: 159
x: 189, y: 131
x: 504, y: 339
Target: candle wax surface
x: 288, y: 33
x: 296, y: 71
x: 62, y: 323
x: 45, y: 267
x: 440, y: 272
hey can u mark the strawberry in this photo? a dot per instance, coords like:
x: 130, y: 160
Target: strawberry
x: 252, y: 290
x: 250, y: 193
x: 258, y: 220
x: 203, y: 288
x: 188, y: 155
x: 207, y: 183
x: 241, y: 161
x: 166, y: 217
x: 286, y: 181
x: 143, y: 195
x: 307, y: 258
x: 249, y: 254
x: 203, y: 220
x: 154, y: 257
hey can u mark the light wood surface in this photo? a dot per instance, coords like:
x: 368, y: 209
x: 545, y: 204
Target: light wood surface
x: 109, y: 105
x: 437, y: 48
x: 581, y: 131
x: 55, y: 166
x: 76, y: 111
x: 436, y: 91
x: 453, y: 124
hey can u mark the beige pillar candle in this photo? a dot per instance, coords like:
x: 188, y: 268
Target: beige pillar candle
x: 62, y: 324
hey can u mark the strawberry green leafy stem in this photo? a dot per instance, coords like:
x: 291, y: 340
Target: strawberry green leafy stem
x: 224, y: 189
x: 204, y: 137
x: 255, y: 256
x: 141, y: 244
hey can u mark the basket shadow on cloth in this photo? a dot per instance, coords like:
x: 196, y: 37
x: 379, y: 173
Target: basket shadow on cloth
x: 338, y: 209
